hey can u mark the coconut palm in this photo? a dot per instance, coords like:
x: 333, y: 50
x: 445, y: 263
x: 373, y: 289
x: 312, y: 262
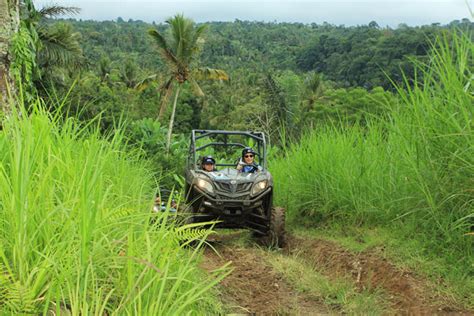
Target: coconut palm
x: 313, y: 94
x: 54, y: 45
x: 59, y: 47
x: 313, y: 90
x: 180, y: 53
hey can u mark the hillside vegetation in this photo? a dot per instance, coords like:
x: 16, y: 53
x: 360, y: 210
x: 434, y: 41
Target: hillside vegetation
x: 76, y: 230
x: 300, y: 73
x: 281, y: 74
x: 411, y: 172
x: 371, y: 145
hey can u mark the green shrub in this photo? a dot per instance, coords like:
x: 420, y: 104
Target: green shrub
x: 150, y: 136
x: 75, y: 230
x: 413, y: 171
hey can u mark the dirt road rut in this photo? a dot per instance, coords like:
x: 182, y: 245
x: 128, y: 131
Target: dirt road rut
x: 254, y: 287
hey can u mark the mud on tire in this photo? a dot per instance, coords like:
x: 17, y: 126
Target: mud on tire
x: 275, y: 237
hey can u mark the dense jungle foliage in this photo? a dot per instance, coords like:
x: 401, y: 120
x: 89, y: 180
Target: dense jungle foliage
x: 282, y: 75
x: 411, y: 173
x: 368, y: 127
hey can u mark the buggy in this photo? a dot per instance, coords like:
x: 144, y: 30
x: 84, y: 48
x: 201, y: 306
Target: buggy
x: 234, y: 199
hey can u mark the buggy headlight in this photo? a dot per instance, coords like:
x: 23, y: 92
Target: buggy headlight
x: 205, y: 185
x: 259, y: 187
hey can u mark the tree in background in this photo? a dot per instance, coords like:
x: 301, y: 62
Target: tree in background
x: 278, y: 103
x: 180, y: 52
x: 313, y: 92
x: 43, y: 51
x: 9, y: 20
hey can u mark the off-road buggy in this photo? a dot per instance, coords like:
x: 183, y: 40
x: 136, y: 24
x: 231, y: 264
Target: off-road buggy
x: 235, y: 199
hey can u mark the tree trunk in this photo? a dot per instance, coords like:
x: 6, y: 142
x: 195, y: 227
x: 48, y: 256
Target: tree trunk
x: 164, y: 99
x: 170, y: 128
x: 9, y: 22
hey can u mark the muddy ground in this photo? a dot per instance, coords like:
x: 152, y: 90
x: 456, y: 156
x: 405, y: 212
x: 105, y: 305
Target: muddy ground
x: 255, y: 288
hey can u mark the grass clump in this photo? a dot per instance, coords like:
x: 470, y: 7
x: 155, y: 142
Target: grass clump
x: 411, y: 172
x: 338, y: 294
x: 75, y: 232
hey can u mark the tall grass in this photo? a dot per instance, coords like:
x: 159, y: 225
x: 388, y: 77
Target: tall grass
x: 413, y: 171
x: 75, y: 232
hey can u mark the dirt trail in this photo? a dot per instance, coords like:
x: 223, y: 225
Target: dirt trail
x: 255, y: 288
x: 408, y: 293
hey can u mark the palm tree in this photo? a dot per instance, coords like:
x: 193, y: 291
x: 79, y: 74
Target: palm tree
x: 313, y: 94
x: 313, y: 90
x: 129, y: 74
x: 57, y: 44
x: 180, y: 52
x: 53, y: 46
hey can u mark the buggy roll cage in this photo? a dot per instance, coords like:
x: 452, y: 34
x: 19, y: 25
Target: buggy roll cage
x: 197, y: 134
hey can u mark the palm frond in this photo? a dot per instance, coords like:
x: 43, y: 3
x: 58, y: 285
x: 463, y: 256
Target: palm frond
x: 182, y: 32
x: 55, y: 10
x: 28, y: 13
x: 205, y: 73
x: 163, y: 47
x: 105, y: 68
x: 159, y: 39
x: 193, y: 232
x: 17, y: 297
x: 198, y: 40
x: 128, y: 73
x: 60, y: 47
x: 200, y: 31
x: 145, y: 82
x: 116, y: 216
x: 196, y: 88
x: 313, y: 82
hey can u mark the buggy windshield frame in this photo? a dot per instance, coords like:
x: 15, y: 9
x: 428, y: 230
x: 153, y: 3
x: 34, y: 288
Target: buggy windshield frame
x: 197, y: 134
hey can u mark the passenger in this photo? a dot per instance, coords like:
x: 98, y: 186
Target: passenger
x: 208, y: 164
x: 246, y: 162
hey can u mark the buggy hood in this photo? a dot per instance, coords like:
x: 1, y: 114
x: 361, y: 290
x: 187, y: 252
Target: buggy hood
x: 229, y: 174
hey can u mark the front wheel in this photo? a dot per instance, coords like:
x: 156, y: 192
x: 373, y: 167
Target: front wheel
x: 276, y: 235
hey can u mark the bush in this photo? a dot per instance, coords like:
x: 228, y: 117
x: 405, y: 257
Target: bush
x: 150, y: 137
x: 413, y: 171
x: 75, y: 232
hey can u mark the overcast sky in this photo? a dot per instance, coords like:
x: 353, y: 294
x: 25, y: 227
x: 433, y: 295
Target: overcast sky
x: 349, y: 12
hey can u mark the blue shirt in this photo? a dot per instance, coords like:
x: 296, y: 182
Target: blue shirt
x: 249, y: 168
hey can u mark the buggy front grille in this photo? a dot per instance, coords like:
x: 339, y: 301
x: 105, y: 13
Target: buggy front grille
x: 234, y: 188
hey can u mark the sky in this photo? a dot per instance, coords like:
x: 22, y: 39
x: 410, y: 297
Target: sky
x: 349, y: 12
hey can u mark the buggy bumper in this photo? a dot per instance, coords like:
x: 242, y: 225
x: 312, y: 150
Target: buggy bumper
x: 222, y: 203
x: 232, y: 213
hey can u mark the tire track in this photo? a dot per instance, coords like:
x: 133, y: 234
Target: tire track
x: 254, y: 287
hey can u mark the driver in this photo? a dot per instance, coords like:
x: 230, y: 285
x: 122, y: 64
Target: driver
x: 246, y: 162
x: 208, y: 164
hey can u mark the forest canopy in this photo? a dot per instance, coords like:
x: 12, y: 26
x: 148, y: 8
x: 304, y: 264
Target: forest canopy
x: 267, y: 63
